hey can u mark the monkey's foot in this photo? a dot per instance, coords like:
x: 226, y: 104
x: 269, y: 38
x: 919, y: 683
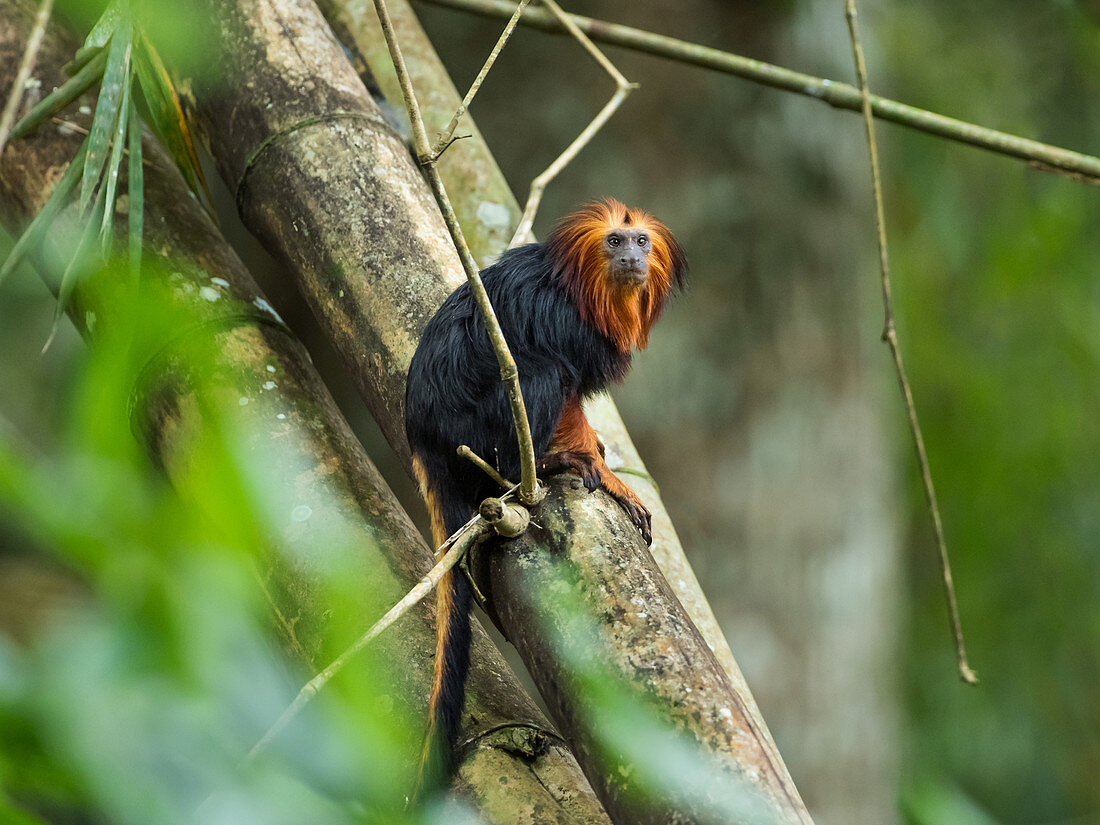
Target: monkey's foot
x: 595, y: 473
x: 585, y: 465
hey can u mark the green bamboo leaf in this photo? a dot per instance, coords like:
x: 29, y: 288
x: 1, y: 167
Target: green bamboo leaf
x: 106, y: 24
x: 107, y: 112
x: 167, y: 118
x: 68, y: 278
x: 32, y: 236
x: 62, y: 96
x: 111, y: 175
x: 83, y: 55
x: 137, y: 194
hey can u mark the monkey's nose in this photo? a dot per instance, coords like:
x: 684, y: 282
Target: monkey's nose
x: 631, y: 261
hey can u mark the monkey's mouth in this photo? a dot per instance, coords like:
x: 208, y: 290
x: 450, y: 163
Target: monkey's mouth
x: 632, y: 276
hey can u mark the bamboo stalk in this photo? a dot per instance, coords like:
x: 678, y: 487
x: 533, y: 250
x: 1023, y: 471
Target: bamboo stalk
x: 316, y: 188
x: 839, y: 95
x: 486, y: 208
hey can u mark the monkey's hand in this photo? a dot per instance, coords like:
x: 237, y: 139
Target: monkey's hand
x: 583, y: 464
x: 595, y: 473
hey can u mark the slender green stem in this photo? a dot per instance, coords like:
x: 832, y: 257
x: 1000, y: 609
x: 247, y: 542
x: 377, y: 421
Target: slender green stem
x: 890, y: 336
x: 509, y: 373
x: 90, y: 74
x: 840, y: 95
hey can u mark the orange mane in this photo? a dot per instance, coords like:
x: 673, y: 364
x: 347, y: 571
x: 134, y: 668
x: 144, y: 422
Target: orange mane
x: 623, y: 314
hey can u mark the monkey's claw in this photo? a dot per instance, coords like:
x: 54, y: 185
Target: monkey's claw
x: 639, y: 514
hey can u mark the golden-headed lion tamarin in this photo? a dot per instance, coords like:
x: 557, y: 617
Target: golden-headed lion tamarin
x: 572, y: 310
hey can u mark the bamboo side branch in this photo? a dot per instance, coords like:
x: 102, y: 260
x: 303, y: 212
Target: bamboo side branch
x: 483, y: 201
x: 1043, y: 156
x: 507, y: 520
x: 455, y: 547
x: 444, y: 138
x: 524, y: 230
x: 483, y: 465
x: 509, y: 373
x: 890, y: 336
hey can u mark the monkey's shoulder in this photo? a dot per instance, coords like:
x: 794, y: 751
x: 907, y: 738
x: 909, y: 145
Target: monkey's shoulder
x: 540, y: 314
x: 542, y: 324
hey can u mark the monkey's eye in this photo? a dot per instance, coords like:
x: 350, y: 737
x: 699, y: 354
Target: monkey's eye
x: 613, y: 241
x: 643, y: 240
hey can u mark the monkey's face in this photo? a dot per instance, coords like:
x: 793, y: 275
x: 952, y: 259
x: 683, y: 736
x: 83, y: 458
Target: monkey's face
x: 626, y: 250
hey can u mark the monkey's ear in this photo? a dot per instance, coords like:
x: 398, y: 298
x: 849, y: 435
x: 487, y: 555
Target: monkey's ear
x: 677, y: 259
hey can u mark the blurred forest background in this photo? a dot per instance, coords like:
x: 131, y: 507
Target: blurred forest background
x: 766, y: 406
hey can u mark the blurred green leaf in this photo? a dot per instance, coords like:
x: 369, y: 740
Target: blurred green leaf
x: 106, y: 25
x: 83, y: 55
x: 114, y: 165
x: 32, y: 236
x: 931, y: 802
x: 136, y: 190
x: 140, y: 705
x: 167, y: 118
x: 108, y: 110
x: 78, y: 262
x: 13, y: 816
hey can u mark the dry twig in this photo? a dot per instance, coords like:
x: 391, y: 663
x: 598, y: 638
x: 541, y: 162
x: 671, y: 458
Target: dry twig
x: 26, y: 66
x: 529, y: 492
x: 444, y: 139
x: 452, y: 552
x: 485, y: 466
x: 890, y: 336
x: 623, y: 88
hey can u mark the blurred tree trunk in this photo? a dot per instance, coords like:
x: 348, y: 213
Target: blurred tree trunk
x: 818, y: 586
x: 761, y: 405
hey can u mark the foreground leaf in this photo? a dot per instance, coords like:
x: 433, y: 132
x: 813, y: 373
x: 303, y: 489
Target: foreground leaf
x: 31, y: 238
x: 113, y: 167
x: 62, y: 96
x: 106, y: 25
x: 166, y: 116
x: 69, y: 277
x: 136, y: 218
x: 107, y: 110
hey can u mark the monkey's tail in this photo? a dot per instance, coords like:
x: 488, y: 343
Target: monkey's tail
x: 452, y: 662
